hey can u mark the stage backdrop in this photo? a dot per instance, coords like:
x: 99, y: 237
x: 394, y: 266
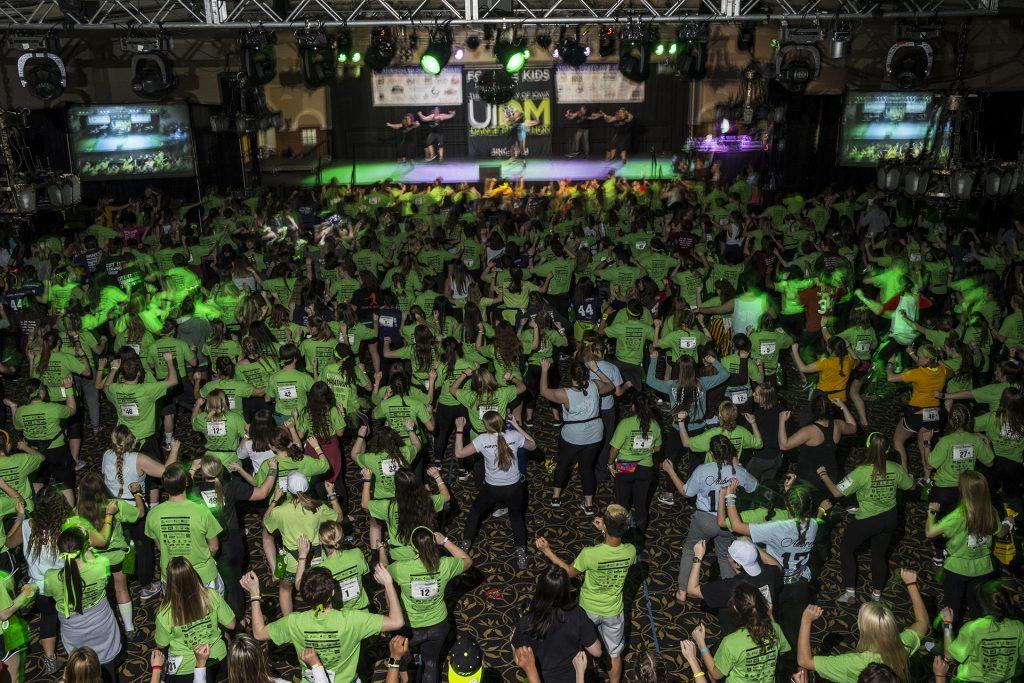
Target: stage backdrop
x: 596, y: 83
x: 489, y: 134
x: 413, y: 87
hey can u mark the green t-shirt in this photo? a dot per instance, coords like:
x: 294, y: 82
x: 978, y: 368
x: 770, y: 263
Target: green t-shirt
x: 293, y: 520
x: 766, y: 345
x: 1005, y: 444
x: 384, y: 467
x: 234, y: 389
x: 846, y: 668
x: 631, y: 337
x: 59, y: 366
x: 477, y: 407
x: 223, y: 434
x: 682, y: 342
x: 334, y: 634
x: 39, y: 421
x: 311, y: 467
x: 990, y: 394
x: 288, y: 389
x: 181, y: 640
x: 875, y: 494
x: 989, y: 651
x: 135, y: 405
x: 955, y: 453
x: 561, y: 271
x: 16, y: 469
x: 348, y: 568
x: 182, y: 528
x: 604, y: 570
x: 181, y: 351
x: 228, y: 348
x: 862, y: 341
x: 397, y: 409
x: 422, y: 591
x: 386, y: 510
x: 95, y: 572
x: 322, y: 350
x: 633, y: 445
x: 740, y: 437
x: 117, y: 546
x: 744, y: 661
x: 966, y: 554
x: 345, y: 392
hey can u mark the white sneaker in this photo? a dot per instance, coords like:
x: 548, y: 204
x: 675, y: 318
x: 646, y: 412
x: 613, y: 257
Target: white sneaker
x: 499, y: 512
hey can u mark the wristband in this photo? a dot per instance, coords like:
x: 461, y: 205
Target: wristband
x: 332, y: 496
x: 156, y: 667
x: 255, y: 598
x: 912, y: 583
x: 367, y: 481
x: 703, y: 650
x: 460, y: 433
x: 301, y: 558
x: 698, y: 674
x: 730, y: 503
x: 443, y: 542
x: 393, y: 663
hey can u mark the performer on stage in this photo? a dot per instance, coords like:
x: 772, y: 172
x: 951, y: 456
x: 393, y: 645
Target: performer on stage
x: 406, y: 137
x: 581, y: 139
x: 622, y: 139
x: 519, y: 125
x: 435, y: 138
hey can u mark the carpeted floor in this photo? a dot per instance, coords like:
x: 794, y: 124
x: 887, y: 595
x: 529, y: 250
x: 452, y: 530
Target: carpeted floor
x: 487, y: 601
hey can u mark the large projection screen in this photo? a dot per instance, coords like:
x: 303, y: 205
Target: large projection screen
x: 888, y: 125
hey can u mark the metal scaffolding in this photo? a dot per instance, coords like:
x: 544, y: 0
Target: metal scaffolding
x: 182, y: 17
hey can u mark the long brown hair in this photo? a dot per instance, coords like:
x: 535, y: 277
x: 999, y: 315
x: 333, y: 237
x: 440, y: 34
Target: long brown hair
x: 246, y: 661
x: 48, y: 515
x: 83, y: 666
x: 495, y: 424
x: 187, y: 599
x: 979, y: 515
x: 752, y: 613
x: 92, y: 498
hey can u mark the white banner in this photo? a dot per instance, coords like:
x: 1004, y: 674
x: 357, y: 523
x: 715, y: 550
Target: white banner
x: 594, y: 83
x: 413, y: 87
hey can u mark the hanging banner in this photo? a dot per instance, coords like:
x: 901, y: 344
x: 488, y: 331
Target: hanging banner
x: 490, y: 135
x: 416, y: 88
x: 596, y: 83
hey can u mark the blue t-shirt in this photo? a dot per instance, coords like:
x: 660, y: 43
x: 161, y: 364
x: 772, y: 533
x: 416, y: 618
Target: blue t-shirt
x: 779, y: 538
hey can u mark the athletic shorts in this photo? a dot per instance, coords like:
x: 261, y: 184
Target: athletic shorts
x: 915, y: 419
x: 612, y: 631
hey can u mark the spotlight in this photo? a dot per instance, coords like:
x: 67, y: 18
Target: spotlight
x: 316, y: 54
x: 659, y: 49
x: 459, y: 53
x: 796, y: 66
x: 43, y: 74
x: 692, y: 59
x: 382, y: 48
x: 606, y: 45
x: 473, y: 42
x: 438, y: 52
x: 496, y: 86
x: 511, y: 53
x: 152, y: 75
x: 259, y: 60
x: 570, y: 50
x: 634, y: 53
x: 343, y: 46
x: 909, y: 63
x: 840, y: 39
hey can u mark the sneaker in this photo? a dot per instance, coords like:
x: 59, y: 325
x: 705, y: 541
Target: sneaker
x: 588, y: 510
x: 555, y: 502
x: 51, y: 665
x: 847, y: 598
x: 876, y: 595
x: 521, y: 558
x: 79, y: 466
x: 499, y: 512
x: 134, y: 636
x: 923, y: 481
x: 666, y: 499
x: 152, y: 590
x: 464, y: 475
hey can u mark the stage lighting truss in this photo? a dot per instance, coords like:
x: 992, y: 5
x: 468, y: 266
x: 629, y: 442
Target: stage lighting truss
x: 570, y: 50
x: 187, y: 17
x: 259, y: 59
x: 316, y: 56
x: 797, y: 65
x: 909, y: 63
x: 40, y: 69
x: 438, y: 52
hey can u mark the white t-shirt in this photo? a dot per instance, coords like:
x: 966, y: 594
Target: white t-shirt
x: 37, y: 566
x: 257, y: 457
x: 130, y: 473
x: 487, y: 446
x: 611, y: 371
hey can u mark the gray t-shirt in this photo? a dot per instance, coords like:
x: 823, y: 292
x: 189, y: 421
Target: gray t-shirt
x: 780, y: 537
x: 706, y: 481
x: 611, y: 372
x: 487, y: 446
x: 581, y: 419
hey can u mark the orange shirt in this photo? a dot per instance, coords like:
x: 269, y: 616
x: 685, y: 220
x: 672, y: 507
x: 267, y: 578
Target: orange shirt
x: 834, y: 375
x: 926, y: 383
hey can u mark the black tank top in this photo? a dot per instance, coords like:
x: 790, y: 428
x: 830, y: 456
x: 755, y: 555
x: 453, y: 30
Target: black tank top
x: 822, y: 455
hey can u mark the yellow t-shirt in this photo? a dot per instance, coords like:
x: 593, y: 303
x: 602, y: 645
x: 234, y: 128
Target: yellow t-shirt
x: 834, y: 375
x: 926, y: 383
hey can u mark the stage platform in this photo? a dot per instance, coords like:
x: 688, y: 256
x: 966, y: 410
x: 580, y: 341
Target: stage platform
x: 469, y: 171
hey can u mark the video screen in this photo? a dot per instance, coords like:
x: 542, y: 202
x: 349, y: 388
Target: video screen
x: 888, y: 125
x: 131, y: 140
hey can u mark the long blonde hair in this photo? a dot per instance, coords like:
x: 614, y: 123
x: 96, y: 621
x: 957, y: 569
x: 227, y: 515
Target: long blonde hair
x: 246, y: 661
x: 212, y: 469
x: 188, y: 600
x: 727, y: 414
x: 880, y: 634
x: 495, y: 424
x: 979, y: 515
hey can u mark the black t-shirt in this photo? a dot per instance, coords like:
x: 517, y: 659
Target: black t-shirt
x: 235, y: 490
x: 768, y: 418
x: 717, y: 593
x: 572, y: 631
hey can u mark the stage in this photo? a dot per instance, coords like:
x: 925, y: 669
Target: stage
x: 469, y: 171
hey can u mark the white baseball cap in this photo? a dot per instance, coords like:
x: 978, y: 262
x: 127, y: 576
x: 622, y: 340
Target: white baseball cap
x: 297, y: 482
x: 745, y: 554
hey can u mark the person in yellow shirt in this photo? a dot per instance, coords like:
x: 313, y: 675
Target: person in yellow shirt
x: 834, y: 370
x: 924, y: 413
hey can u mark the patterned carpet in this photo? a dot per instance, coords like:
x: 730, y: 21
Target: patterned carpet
x: 486, y: 602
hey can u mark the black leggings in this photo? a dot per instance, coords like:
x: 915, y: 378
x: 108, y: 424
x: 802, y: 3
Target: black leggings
x: 49, y: 624
x: 633, y: 490
x: 1006, y: 475
x: 566, y: 457
x: 878, y: 530
x: 444, y: 425
x: 792, y: 601
x: 429, y: 641
x: 230, y: 563
x: 958, y: 589
x: 144, y: 557
x: 511, y: 496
